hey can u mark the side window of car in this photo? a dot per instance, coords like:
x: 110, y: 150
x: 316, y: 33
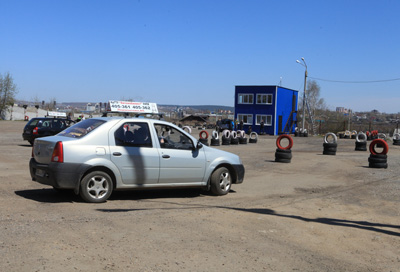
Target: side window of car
x: 172, y: 138
x: 57, y: 124
x: 135, y: 134
x: 46, y: 123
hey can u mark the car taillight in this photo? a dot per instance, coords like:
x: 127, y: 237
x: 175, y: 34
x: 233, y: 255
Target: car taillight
x: 58, y: 153
x: 35, y: 130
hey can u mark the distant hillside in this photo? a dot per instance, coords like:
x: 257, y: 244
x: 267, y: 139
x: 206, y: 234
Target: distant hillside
x: 200, y: 107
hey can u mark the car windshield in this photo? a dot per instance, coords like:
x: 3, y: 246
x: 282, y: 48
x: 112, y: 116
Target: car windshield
x: 82, y: 128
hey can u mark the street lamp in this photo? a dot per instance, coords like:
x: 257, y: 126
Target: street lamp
x: 304, y: 93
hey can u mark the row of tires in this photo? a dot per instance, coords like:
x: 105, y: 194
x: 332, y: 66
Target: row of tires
x: 375, y: 160
x: 228, y: 137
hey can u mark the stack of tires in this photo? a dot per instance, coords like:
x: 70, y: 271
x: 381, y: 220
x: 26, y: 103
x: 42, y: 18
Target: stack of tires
x: 253, y: 137
x: 374, y: 134
x: 396, y: 139
x: 234, y: 138
x: 214, y: 138
x: 242, y: 137
x: 361, y: 141
x: 283, y: 154
x: 330, y: 146
x: 226, y: 137
x: 378, y: 160
x: 203, y: 137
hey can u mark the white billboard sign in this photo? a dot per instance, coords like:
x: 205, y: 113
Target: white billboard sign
x: 56, y: 114
x: 132, y: 107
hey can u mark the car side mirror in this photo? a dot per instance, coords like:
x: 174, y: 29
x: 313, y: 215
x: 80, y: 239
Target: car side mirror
x: 198, y: 145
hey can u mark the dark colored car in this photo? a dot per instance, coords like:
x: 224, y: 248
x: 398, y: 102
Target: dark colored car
x: 42, y: 127
x: 224, y: 124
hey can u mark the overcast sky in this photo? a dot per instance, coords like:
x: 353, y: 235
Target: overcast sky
x: 195, y: 52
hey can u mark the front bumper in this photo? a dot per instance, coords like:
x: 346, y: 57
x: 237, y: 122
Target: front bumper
x: 58, y: 175
x: 239, y: 169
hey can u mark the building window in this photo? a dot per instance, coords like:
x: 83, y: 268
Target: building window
x: 245, y: 99
x: 264, y: 99
x: 266, y: 118
x: 246, y: 118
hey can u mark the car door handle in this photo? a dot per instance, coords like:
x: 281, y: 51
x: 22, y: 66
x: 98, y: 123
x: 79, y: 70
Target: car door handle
x: 166, y: 156
x: 117, y: 154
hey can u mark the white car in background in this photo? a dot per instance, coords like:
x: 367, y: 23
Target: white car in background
x: 99, y: 155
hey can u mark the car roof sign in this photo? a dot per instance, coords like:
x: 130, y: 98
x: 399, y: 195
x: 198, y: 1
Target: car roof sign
x: 132, y: 107
x: 56, y: 114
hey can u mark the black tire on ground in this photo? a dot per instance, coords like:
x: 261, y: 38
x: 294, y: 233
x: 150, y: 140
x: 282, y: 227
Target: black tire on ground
x: 396, y: 141
x: 286, y: 156
x: 376, y: 160
x: 330, y: 145
x: 252, y: 141
x: 221, y: 181
x: 329, y: 152
x: 361, y: 146
x: 226, y: 141
x: 283, y: 160
x: 341, y: 136
x: 242, y: 140
x: 378, y: 165
x: 214, y: 142
x: 378, y: 156
x: 234, y: 141
x: 96, y: 187
x: 283, y: 150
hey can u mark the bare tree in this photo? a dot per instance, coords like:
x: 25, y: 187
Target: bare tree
x: 8, y: 90
x: 51, y: 105
x: 36, y: 100
x: 315, y: 102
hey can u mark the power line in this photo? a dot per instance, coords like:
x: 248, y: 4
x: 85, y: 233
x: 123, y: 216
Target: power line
x: 368, y: 81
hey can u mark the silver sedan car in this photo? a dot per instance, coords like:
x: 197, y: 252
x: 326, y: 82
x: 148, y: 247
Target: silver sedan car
x: 99, y: 155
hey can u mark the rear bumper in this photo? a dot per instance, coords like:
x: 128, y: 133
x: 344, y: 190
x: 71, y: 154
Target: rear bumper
x: 27, y: 137
x: 239, y: 169
x: 58, y: 175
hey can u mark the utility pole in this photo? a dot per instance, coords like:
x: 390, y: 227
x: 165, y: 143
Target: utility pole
x: 304, y: 93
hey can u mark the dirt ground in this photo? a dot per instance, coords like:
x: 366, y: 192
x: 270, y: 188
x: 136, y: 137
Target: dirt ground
x: 317, y: 213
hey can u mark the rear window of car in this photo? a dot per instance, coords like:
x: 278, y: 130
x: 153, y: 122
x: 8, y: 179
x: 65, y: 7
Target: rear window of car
x: 32, y: 123
x: 82, y: 128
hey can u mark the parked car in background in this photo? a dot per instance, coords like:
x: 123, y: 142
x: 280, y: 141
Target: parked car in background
x: 224, y: 124
x: 99, y: 155
x: 44, y: 126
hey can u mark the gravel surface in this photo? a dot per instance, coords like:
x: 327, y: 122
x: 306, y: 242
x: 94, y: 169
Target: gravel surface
x: 317, y: 213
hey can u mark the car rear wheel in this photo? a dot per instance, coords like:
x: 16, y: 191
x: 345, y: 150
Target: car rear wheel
x: 221, y: 181
x: 96, y: 187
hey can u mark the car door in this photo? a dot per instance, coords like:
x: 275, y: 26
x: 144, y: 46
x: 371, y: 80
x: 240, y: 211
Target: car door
x: 132, y: 151
x: 179, y: 163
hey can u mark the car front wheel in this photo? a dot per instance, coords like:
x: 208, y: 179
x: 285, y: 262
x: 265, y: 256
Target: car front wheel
x: 96, y: 187
x: 221, y: 181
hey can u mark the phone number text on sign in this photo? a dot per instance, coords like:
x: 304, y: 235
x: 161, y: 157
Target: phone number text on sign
x: 125, y: 106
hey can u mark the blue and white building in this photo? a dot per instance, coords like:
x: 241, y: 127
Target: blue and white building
x: 274, y: 105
